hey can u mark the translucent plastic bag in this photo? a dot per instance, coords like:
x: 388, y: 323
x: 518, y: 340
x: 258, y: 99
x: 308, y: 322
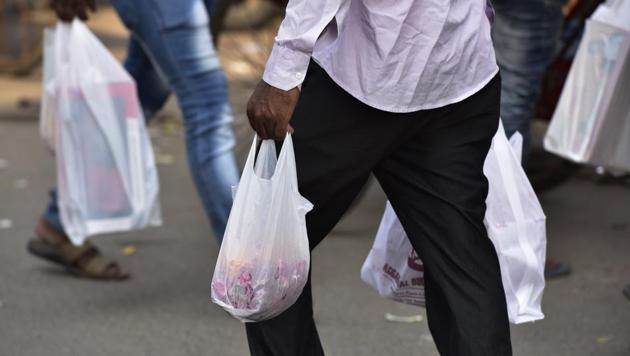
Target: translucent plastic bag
x: 106, y: 174
x: 515, y: 223
x: 264, y: 259
x: 393, y: 267
x: 591, y: 123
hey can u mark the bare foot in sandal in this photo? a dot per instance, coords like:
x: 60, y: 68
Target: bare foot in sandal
x: 83, y: 261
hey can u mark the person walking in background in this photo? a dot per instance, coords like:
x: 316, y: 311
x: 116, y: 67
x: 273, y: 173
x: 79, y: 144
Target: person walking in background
x: 525, y: 34
x: 407, y: 90
x: 170, y: 49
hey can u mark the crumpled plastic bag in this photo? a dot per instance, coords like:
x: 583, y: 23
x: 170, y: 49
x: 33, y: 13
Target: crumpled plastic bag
x: 106, y: 175
x: 264, y: 259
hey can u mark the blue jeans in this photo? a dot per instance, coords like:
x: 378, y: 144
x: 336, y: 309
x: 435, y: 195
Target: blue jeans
x: 171, y: 49
x: 525, y: 34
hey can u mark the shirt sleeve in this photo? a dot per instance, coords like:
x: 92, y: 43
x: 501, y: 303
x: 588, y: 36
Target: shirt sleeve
x: 304, y: 21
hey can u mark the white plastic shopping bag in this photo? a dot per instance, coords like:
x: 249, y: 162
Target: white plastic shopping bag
x: 515, y: 223
x: 591, y: 123
x: 264, y: 259
x: 106, y: 174
x: 392, y: 266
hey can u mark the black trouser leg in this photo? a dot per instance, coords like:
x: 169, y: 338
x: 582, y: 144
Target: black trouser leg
x: 436, y: 185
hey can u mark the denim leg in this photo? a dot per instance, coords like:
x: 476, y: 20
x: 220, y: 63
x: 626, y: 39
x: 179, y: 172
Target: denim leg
x: 209, y: 6
x: 51, y: 214
x: 525, y: 35
x: 153, y: 91
x: 176, y: 38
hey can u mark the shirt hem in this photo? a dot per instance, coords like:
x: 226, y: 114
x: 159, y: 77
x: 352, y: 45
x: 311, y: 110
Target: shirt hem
x: 468, y: 93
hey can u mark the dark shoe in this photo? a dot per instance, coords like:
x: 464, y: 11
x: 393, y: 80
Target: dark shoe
x: 626, y: 291
x: 554, y: 269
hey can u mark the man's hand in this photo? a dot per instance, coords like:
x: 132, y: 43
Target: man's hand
x: 67, y: 10
x: 270, y: 109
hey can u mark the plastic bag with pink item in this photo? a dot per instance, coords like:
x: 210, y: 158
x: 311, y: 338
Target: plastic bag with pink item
x: 264, y: 259
x: 106, y: 175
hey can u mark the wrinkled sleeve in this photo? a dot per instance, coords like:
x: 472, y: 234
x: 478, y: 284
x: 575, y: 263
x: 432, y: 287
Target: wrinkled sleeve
x: 304, y: 21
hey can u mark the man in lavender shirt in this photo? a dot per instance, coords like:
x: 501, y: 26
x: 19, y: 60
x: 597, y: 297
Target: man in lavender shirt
x: 407, y: 90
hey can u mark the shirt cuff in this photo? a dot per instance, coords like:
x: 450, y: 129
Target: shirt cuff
x: 286, y: 68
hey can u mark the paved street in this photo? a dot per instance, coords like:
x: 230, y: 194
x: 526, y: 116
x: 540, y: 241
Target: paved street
x: 164, y: 310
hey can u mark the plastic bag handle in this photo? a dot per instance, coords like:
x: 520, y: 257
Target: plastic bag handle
x: 286, y: 160
x: 64, y: 34
x: 285, y: 167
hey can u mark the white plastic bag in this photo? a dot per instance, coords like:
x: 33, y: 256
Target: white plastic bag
x: 392, y: 266
x: 614, y: 12
x: 264, y: 259
x: 515, y: 223
x: 591, y: 123
x: 106, y: 174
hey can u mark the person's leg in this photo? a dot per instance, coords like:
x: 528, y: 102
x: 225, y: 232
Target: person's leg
x: 435, y: 182
x: 176, y: 38
x: 153, y: 90
x: 336, y: 146
x: 525, y: 36
x: 51, y: 214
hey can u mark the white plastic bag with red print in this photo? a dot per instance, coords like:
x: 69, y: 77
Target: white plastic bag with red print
x: 264, y: 259
x: 106, y: 175
x: 515, y: 223
x: 392, y: 266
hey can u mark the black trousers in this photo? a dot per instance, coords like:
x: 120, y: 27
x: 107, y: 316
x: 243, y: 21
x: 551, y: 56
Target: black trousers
x: 430, y: 165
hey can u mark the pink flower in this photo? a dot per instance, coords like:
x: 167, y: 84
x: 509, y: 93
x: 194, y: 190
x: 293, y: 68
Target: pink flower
x: 245, y: 278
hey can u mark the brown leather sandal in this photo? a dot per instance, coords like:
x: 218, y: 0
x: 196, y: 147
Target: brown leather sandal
x: 82, y: 261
